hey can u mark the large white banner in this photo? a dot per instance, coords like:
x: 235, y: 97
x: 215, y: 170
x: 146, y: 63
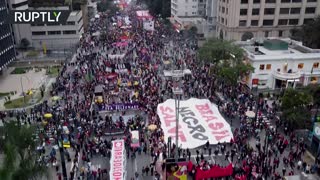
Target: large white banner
x: 118, y: 160
x: 148, y: 25
x: 199, y: 122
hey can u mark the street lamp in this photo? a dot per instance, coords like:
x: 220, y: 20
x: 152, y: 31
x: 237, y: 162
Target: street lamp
x: 24, y: 97
x: 176, y: 89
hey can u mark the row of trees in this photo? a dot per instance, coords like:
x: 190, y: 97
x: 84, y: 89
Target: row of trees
x: 107, y: 6
x: 227, y: 65
x: 158, y: 7
x: 17, y: 147
x: 226, y: 59
x: 308, y: 34
x: 296, y: 106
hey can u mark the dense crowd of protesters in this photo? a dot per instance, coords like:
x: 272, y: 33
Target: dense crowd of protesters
x: 131, y: 73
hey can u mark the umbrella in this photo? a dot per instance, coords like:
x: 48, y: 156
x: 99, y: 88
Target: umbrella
x: 55, y: 98
x: 136, y: 83
x: 166, y: 62
x: 152, y: 127
x: 48, y: 115
x: 250, y: 114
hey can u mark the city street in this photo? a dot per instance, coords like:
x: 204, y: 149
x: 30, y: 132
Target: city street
x: 118, y: 83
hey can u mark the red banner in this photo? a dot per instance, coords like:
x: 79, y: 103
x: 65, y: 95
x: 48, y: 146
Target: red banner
x: 214, y: 172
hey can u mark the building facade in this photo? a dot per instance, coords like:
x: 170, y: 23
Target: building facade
x: 20, y: 31
x: 246, y: 19
x: 281, y: 63
x: 49, y: 36
x: 7, y: 51
x: 58, y: 36
x: 187, y: 13
x: 211, y: 17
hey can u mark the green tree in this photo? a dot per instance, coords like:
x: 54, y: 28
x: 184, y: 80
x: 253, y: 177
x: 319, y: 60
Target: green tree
x: 294, y: 109
x: 226, y: 59
x: 157, y: 7
x: 107, y: 6
x: 308, y: 34
x: 18, y: 147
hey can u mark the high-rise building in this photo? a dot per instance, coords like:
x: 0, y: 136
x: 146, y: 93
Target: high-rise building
x: 246, y: 19
x: 49, y: 36
x: 7, y: 51
x: 188, y: 13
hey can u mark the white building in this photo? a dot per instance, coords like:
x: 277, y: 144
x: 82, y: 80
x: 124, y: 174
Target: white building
x: 58, y: 36
x: 244, y: 19
x: 51, y: 36
x: 187, y: 13
x: 280, y: 63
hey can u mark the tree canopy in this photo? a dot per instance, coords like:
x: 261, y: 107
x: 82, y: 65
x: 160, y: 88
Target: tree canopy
x: 294, y: 109
x: 18, y: 147
x: 157, y: 7
x: 107, y: 5
x: 308, y: 34
x: 226, y: 58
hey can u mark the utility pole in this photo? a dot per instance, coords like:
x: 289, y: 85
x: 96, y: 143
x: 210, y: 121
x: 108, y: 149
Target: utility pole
x: 176, y: 89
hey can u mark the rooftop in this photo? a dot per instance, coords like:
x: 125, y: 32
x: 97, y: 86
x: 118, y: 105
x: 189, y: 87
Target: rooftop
x: 274, y: 49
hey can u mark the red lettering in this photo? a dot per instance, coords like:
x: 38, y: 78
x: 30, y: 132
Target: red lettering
x: 116, y: 174
x: 168, y: 119
x: 220, y: 132
x: 202, y: 107
x: 218, y: 138
x: 165, y: 109
x: 216, y: 126
x: 181, y: 136
x: 209, y: 118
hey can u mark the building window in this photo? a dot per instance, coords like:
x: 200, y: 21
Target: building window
x: 280, y: 33
x: 300, y: 66
x: 266, y: 34
x: 268, y: 22
x: 296, y: 1
x: 312, y: 1
x: 261, y: 67
x: 38, y: 33
x: 244, y: 1
x: 314, y: 80
x: 295, y: 10
x: 242, y: 23
x: 293, y: 21
x: 316, y: 65
x: 270, y: 1
x: 256, y: 11
x: 243, y: 12
x: 268, y: 66
x: 282, y: 22
x: 269, y: 11
x: 71, y: 23
x: 53, y: 24
x: 307, y: 21
x: 256, y: 1
x: 254, y: 22
x: 54, y: 32
x: 310, y: 10
x: 69, y: 32
x: 285, y: 1
x: 284, y: 10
